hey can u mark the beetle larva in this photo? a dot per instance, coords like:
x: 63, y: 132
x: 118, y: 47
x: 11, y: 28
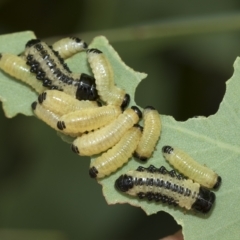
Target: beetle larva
x: 107, y: 136
x: 151, y: 133
x: 61, y: 103
x: 69, y: 46
x: 16, y: 67
x: 88, y: 119
x: 50, y: 68
x: 49, y: 117
x: 115, y: 157
x: 160, y: 185
x: 190, y: 168
x: 104, y: 76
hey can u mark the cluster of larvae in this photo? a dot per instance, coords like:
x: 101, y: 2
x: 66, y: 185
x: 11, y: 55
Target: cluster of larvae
x: 94, y: 111
x: 91, y: 109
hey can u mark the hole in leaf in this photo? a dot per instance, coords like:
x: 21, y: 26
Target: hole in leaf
x: 179, y: 86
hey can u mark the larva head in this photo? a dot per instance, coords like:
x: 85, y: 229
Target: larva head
x: 137, y: 111
x: 205, y: 201
x: 218, y: 183
x: 86, y: 88
x: 32, y: 42
x: 139, y: 157
x: 34, y: 105
x: 167, y: 150
x: 93, y: 172
x: 124, y: 183
x: 94, y: 51
x: 126, y: 101
x: 150, y: 107
x: 80, y: 41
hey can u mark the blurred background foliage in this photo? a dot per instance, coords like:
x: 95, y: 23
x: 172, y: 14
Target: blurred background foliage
x: 186, y: 47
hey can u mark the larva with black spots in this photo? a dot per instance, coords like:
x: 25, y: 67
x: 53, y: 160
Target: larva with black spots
x: 160, y: 185
x: 88, y: 119
x: 103, y: 73
x: 151, y: 134
x: 50, y: 68
x: 190, y: 168
x: 106, y: 137
x: 62, y: 103
x: 115, y: 157
x: 69, y: 46
x: 16, y: 67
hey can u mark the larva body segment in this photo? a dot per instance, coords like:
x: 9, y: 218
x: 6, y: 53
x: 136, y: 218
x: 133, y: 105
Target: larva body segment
x: 62, y: 103
x: 69, y: 46
x: 16, y: 67
x: 104, y: 76
x: 159, y: 185
x: 50, y: 68
x: 88, y: 119
x: 107, y: 136
x: 190, y: 168
x: 115, y: 157
x: 151, y: 134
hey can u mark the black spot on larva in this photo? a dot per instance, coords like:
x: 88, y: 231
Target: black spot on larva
x: 137, y: 111
x: 204, y: 201
x: 93, y: 172
x: 141, y: 169
x: 94, y: 50
x: 126, y: 101
x: 39, y: 47
x: 47, y: 82
x: 42, y: 97
x: 218, y: 183
x: 75, y: 149
x: 0, y: 55
x: 61, y: 125
x: 32, y: 42
x: 124, y: 183
x: 167, y: 149
x: 34, y: 105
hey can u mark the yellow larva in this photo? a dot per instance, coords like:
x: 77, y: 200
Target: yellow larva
x: 62, y: 103
x: 107, y: 136
x: 104, y: 76
x: 50, y: 68
x: 158, y: 184
x: 151, y: 134
x: 190, y: 168
x: 17, y: 67
x: 115, y: 157
x: 88, y: 119
x: 67, y: 47
x: 47, y: 116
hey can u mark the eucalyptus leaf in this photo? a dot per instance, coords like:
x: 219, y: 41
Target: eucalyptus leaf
x: 212, y: 141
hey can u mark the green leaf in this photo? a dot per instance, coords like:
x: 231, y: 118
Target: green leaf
x: 212, y: 141
x: 16, y: 97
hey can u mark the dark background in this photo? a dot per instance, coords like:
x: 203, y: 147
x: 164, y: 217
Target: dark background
x: 45, y: 190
